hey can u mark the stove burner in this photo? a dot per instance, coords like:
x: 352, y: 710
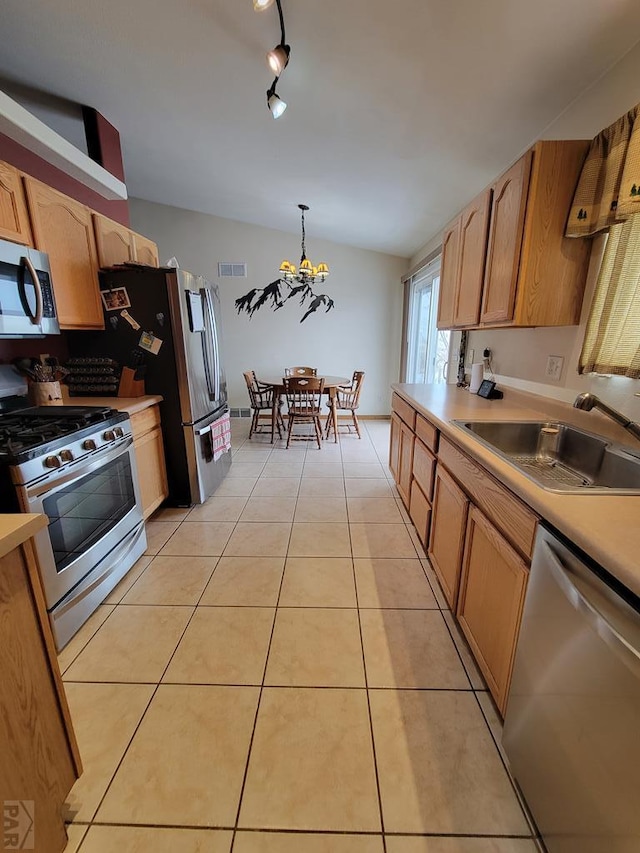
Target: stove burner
x: 29, y: 428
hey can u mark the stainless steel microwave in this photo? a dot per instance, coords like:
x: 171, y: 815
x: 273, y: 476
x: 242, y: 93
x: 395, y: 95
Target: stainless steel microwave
x: 27, y: 304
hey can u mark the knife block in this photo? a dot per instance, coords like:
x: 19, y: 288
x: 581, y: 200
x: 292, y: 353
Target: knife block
x: 129, y: 385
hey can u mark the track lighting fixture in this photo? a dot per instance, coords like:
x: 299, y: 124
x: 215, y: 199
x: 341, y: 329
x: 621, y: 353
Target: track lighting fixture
x: 274, y: 101
x: 261, y: 5
x: 278, y: 58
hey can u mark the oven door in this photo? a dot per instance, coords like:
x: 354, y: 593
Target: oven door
x: 90, y: 510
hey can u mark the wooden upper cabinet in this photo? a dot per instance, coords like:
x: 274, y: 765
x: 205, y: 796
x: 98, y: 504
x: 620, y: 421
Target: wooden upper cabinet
x: 474, y: 228
x: 14, y: 219
x: 448, y: 275
x: 114, y: 242
x: 146, y: 251
x: 505, y: 241
x: 63, y: 228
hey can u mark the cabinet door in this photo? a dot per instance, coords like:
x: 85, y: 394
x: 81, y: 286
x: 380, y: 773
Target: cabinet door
x: 446, y: 542
x: 474, y: 229
x: 14, y: 219
x: 64, y: 229
x: 492, y: 589
x: 448, y: 275
x: 405, y: 464
x: 146, y: 251
x: 152, y: 471
x: 424, y: 467
x: 505, y: 241
x: 114, y: 242
x: 394, y: 446
x: 420, y: 512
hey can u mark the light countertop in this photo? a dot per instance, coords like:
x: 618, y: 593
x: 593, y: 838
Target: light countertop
x: 607, y: 527
x: 131, y: 405
x: 16, y: 529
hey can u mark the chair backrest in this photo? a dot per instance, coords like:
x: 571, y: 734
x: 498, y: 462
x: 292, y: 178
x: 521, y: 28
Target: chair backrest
x: 260, y: 396
x: 304, y: 394
x: 349, y: 397
x: 304, y: 371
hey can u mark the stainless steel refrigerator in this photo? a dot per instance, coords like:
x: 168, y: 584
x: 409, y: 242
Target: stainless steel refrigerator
x: 180, y: 314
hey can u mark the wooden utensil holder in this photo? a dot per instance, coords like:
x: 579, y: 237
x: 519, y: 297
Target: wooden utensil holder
x: 129, y: 385
x: 45, y: 394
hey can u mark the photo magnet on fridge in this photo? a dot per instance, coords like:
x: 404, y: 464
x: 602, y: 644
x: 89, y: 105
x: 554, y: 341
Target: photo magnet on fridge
x: 115, y: 299
x: 150, y: 343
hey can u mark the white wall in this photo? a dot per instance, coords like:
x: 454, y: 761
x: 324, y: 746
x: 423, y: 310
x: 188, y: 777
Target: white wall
x: 362, y: 332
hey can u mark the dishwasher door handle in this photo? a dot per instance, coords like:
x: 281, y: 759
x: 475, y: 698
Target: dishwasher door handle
x: 625, y: 650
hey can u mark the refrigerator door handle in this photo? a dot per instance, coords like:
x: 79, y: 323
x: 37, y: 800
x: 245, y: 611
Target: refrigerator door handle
x: 212, y: 334
x: 207, y: 349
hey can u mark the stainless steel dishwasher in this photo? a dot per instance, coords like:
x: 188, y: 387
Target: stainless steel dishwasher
x: 572, y: 727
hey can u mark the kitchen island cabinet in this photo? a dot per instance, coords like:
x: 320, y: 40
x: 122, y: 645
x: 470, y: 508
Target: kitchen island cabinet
x: 40, y: 757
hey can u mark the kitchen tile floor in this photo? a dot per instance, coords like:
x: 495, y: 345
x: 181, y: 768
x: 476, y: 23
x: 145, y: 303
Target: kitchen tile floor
x: 280, y: 674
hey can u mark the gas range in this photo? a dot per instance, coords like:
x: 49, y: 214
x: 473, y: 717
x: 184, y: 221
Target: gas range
x: 36, y: 442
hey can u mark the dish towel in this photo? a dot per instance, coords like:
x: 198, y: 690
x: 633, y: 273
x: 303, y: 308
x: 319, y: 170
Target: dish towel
x: 221, y: 436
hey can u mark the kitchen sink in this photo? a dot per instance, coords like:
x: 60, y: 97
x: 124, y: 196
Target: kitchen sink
x: 580, y: 462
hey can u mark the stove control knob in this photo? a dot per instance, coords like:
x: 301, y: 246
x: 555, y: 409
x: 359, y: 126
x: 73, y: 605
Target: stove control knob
x: 66, y: 456
x: 88, y: 444
x: 52, y: 462
x: 109, y: 435
x: 118, y: 431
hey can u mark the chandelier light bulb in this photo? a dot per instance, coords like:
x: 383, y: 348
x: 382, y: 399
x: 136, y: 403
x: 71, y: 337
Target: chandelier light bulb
x: 261, y: 5
x: 275, y: 104
x: 278, y: 58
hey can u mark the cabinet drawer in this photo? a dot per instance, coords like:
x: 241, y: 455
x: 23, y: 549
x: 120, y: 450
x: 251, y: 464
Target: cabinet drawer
x: 142, y: 422
x: 404, y: 411
x: 420, y: 512
x: 424, y: 467
x: 427, y: 432
x: 508, y: 513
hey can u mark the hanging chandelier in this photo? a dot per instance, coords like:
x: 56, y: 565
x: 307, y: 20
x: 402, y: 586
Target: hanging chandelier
x: 306, y: 272
x: 277, y: 59
x: 291, y: 282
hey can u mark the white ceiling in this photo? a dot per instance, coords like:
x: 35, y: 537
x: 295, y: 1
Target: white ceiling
x: 398, y: 113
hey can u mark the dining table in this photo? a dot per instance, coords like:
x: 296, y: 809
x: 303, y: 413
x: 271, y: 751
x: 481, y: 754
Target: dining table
x: 331, y: 385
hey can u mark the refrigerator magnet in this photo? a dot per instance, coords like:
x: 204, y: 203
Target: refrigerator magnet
x: 133, y: 323
x: 115, y: 299
x: 150, y: 343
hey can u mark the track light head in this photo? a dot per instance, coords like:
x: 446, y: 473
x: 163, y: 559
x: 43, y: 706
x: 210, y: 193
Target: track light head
x: 278, y: 58
x: 261, y: 5
x: 274, y: 102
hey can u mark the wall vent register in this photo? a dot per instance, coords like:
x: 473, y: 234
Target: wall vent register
x: 232, y: 270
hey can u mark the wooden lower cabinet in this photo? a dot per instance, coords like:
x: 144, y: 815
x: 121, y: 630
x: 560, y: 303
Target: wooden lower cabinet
x: 39, y: 754
x: 150, y: 461
x: 446, y: 540
x: 420, y: 512
x: 394, y: 446
x: 492, y: 589
x: 405, y: 472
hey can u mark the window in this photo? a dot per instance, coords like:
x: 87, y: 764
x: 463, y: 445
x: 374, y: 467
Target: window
x: 428, y: 347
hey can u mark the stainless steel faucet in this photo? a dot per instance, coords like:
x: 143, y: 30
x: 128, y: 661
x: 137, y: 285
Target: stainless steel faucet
x: 588, y: 401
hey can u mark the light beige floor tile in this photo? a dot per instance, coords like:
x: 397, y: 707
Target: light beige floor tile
x: 321, y: 508
x: 438, y: 768
x: 245, y: 581
x: 381, y: 540
x: 311, y: 765
x: 158, y: 533
x: 297, y: 842
x: 393, y: 583
x: 258, y: 539
x: 316, y: 648
x: 186, y: 762
x: 403, y: 512
x: 218, y: 509
x: 405, y: 844
x: 364, y: 456
x: 492, y: 717
x: 146, y: 839
x: 104, y: 718
x: 410, y: 648
x: 243, y: 470
x: 75, y: 833
x: 236, y: 487
x: 223, y: 645
x: 199, y: 538
x: 465, y: 652
x: 322, y: 487
x: 365, y: 488
x: 253, y: 455
x: 80, y: 640
x: 320, y: 539
x: 374, y: 510
x: 117, y: 594
x: 322, y: 469
x: 134, y: 644
x: 170, y: 514
x: 269, y: 509
x: 368, y: 470
x: 435, y: 584
x: 276, y: 487
x: 172, y: 580
x: 420, y: 551
x: 318, y: 582
x: 282, y: 469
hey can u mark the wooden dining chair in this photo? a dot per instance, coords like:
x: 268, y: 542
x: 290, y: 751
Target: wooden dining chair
x: 261, y: 397
x: 304, y: 400
x: 346, y: 399
x: 303, y: 371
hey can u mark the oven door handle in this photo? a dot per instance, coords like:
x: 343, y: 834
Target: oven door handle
x: 36, y: 318
x: 64, y: 480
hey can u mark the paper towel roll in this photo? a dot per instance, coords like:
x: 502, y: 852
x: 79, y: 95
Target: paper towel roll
x: 477, y: 375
